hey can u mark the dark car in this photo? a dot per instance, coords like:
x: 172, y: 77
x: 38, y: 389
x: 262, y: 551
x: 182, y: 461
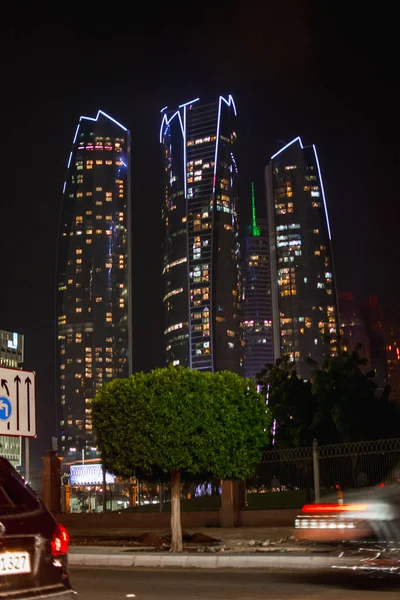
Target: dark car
x: 33, y: 547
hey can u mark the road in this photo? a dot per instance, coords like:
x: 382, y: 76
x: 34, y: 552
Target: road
x: 151, y: 584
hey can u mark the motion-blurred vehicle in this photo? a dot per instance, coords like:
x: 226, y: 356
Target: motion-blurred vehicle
x: 372, y: 514
x: 33, y: 547
x: 365, y: 526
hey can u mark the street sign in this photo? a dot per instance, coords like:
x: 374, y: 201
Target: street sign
x: 17, y: 402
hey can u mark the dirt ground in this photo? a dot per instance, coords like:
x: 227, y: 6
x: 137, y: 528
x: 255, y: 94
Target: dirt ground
x: 218, y: 537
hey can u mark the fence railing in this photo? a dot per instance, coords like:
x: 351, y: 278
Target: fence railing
x: 304, y: 474
x: 319, y: 469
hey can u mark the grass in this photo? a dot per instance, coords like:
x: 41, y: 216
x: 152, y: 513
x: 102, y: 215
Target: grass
x: 280, y: 500
x: 203, y: 504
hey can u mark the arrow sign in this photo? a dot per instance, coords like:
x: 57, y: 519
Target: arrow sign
x: 5, y: 386
x: 18, y: 402
x: 17, y: 382
x: 28, y: 383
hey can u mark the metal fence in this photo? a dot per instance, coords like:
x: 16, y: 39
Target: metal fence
x: 359, y: 464
x: 303, y: 474
x: 36, y: 481
x: 339, y: 466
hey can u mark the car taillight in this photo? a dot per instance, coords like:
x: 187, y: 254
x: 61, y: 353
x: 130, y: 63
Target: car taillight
x: 60, y: 541
x: 334, y: 508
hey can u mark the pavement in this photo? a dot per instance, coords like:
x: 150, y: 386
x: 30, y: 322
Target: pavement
x: 239, y: 584
x: 239, y: 548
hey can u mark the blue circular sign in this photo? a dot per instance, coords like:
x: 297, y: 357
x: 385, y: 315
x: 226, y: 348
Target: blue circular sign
x: 5, y: 408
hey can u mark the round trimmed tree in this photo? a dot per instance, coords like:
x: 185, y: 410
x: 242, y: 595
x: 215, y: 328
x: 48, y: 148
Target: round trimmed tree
x: 180, y: 422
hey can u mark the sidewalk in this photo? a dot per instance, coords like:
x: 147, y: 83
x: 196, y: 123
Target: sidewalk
x: 242, y: 547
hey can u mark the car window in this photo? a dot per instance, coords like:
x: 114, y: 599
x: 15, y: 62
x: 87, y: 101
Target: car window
x: 15, y: 496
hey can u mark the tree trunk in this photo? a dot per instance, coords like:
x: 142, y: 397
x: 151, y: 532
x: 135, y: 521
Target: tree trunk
x: 176, y: 527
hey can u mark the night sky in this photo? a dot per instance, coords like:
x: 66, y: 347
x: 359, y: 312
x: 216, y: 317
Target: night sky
x: 311, y: 68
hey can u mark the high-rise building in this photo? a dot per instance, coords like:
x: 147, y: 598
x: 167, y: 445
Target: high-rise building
x: 11, y: 356
x: 373, y: 319
x: 392, y: 361
x: 202, y: 248
x: 304, y: 305
x: 257, y: 307
x: 94, y: 341
x: 352, y: 326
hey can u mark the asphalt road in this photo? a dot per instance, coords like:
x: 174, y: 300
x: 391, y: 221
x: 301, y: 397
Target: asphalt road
x: 152, y: 584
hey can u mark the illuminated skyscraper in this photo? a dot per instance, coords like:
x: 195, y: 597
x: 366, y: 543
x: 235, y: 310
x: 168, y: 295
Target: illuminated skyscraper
x: 94, y: 342
x: 305, y: 317
x: 257, y: 307
x: 202, y: 250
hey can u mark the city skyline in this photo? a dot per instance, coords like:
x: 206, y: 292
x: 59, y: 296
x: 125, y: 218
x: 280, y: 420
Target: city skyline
x: 94, y: 341
x: 327, y: 80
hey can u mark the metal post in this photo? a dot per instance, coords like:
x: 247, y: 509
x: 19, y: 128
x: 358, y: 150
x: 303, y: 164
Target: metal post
x: 27, y: 459
x: 104, y: 491
x: 316, y: 472
x: 161, y: 496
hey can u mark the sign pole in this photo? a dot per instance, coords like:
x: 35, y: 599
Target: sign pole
x: 27, y: 459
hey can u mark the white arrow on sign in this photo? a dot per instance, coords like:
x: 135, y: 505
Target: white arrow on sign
x: 17, y: 402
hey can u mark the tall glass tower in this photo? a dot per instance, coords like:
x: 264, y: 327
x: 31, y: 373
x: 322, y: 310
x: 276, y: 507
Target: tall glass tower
x: 202, y: 250
x: 257, y: 305
x: 305, y: 315
x: 94, y: 341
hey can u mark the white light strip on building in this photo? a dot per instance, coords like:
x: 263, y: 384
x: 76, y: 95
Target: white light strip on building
x: 323, y: 191
x: 298, y: 139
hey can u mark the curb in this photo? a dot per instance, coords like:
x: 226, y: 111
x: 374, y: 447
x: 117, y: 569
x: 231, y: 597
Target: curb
x: 195, y: 561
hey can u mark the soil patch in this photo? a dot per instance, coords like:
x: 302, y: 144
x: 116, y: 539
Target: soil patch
x: 147, y: 539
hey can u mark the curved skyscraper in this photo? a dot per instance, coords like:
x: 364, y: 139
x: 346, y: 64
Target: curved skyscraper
x: 93, y: 280
x: 304, y: 304
x: 202, y: 251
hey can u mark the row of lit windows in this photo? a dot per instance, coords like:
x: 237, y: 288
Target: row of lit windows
x: 203, y: 140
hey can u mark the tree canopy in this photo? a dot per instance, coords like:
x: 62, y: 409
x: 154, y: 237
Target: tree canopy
x: 290, y: 403
x: 340, y: 403
x: 180, y: 422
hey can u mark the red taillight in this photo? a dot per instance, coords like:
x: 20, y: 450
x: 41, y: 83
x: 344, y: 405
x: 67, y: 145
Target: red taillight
x: 60, y: 541
x: 330, y: 508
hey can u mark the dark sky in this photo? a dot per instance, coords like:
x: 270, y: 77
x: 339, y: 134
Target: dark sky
x: 312, y: 68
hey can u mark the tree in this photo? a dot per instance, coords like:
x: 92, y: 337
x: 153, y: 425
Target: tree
x: 183, y: 423
x: 290, y: 403
x: 339, y: 404
x: 349, y: 409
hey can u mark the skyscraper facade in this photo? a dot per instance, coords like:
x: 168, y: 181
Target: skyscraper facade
x: 94, y: 342
x: 353, y: 329
x: 202, y: 249
x: 374, y: 323
x: 257, y: 306
x: 305, y: 316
